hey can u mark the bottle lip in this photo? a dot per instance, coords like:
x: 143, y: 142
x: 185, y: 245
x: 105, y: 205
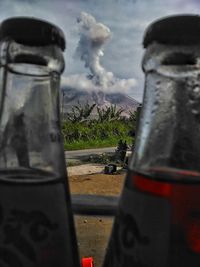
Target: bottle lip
x: 181, y: 29
x: 32, y: 31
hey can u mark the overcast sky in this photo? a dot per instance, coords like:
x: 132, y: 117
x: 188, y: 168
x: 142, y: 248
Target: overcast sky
x: 126, y: 20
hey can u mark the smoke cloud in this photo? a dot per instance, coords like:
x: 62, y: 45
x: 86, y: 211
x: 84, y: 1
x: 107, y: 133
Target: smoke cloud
x: 93, y: 37
x: 82, y: 83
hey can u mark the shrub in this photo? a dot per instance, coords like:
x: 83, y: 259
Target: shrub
x: 81, y: 132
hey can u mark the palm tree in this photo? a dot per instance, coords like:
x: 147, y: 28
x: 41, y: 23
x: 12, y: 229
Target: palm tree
x: 80, y: 113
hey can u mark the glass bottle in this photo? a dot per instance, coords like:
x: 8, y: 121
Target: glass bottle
x: 158, y: 220
x: 35, y: 212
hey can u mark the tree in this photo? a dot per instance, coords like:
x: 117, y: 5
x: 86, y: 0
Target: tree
x: 109, y: 113
x: 80, y: 113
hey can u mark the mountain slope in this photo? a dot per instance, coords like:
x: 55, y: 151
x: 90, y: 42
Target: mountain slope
x: 71, y: 97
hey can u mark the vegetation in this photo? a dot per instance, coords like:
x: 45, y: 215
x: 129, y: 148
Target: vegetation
x: 80, y: 113
x: 81, y: 131
x: 109, y: 114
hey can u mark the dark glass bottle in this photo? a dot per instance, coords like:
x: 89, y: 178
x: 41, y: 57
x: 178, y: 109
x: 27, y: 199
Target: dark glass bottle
x: 36, y: 219
x: 158, y: 221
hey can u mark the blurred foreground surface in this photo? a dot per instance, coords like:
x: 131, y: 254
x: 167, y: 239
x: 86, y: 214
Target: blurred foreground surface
x: 93, y: 232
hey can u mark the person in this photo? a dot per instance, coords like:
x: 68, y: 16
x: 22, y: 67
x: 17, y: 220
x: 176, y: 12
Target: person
x: 124, y: 148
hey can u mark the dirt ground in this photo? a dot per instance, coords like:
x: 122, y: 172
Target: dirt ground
x: 93, y: 232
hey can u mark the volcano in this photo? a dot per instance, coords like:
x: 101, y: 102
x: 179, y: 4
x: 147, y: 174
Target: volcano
x: 71, y: 97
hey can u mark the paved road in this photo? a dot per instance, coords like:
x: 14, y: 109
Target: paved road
x: 77, y: 154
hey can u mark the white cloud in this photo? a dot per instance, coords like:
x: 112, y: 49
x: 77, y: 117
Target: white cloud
x: 81, y: 82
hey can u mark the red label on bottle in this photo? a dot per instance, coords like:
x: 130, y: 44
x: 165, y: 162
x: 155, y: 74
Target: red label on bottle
x: 154, y: 187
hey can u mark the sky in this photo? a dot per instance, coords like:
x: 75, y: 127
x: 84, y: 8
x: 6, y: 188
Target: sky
x: 114, y: 62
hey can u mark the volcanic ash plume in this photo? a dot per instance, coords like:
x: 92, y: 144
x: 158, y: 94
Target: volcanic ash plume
x: 93, y: 36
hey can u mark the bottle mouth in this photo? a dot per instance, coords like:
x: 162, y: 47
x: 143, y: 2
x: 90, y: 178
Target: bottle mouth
x: 30, y: 59
x: 179, y: 58
x: 32, y: 65
x: 38, y: 61
x: 28, y: 70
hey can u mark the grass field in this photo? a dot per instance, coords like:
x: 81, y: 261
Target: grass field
x: 95, y: 135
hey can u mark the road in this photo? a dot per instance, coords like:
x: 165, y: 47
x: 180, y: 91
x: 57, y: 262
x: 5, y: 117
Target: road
x: 77, y: 154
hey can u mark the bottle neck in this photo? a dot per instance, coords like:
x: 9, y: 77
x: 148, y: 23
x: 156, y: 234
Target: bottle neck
x: 30, y: 122
x: 169, y: 127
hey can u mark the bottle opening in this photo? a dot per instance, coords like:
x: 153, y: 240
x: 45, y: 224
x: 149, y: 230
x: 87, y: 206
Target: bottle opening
x: 28, y: 69
x: 179, y: 59
x: 30, y: 59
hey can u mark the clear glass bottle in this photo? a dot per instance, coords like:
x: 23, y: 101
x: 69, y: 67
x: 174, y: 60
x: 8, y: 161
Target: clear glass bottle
x: 158, y: 222
x: 35, y: 212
